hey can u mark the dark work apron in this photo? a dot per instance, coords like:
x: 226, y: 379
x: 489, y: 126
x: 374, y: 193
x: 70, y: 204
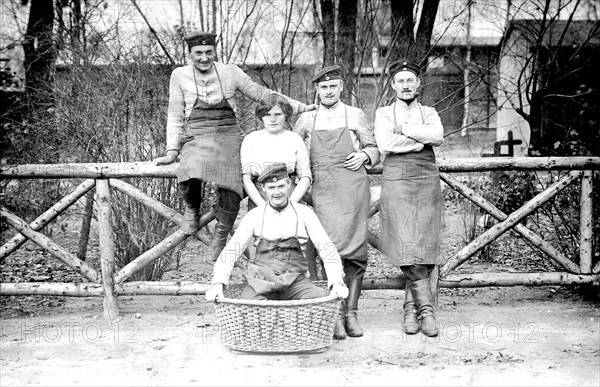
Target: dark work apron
x: 340, y: 196
x: 277, y: 263
x: 411, y: 207
x: 212, y: 141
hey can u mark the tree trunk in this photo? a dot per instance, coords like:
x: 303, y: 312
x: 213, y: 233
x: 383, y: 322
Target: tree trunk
x: 402, y: 30
x: 38, y: 46
x: 423, y: 39
x: 404, y: 44
x: 328, y: 28
x: 346, y: 46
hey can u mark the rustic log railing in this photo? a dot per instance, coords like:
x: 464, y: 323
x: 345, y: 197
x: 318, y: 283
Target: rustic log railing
x: 110, y: 284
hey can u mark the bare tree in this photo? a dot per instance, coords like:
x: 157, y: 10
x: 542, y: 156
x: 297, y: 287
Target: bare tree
x: 346, y: 44
x: 38, y: 45
x: 327, y: 23
x: 555, y: 88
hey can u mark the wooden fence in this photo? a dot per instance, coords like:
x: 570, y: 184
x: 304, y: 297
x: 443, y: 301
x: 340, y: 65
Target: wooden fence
x: 109, y: 283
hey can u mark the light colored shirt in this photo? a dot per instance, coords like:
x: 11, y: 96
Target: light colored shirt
x: 414, y: 127
x: 182, y: 93
x: 361, y: 131
x: 279, y: 224
x: 262, y: 148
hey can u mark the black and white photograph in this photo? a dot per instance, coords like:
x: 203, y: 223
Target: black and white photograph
x: 299, y: 193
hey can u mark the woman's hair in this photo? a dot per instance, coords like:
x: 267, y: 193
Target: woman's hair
x: 269, y: 103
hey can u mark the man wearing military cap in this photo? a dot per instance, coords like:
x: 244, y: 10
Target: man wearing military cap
x: 411, y: 197
x: 341, y: 149
x: 202, y: 130
x: 280, y: 230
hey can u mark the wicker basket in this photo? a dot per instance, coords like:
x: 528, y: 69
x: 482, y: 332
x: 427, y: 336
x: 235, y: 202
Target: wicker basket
x: 277, y: 326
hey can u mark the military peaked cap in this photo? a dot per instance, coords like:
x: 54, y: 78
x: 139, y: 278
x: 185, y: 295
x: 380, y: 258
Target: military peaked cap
x: 201, y: 39
x: 273, y: 173
x: 404, y: 65
x: 328, y: 73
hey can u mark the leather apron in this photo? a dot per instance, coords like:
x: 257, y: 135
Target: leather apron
x: 411, y: 207
x: 277, y: 263
x: 212, y: 140
x: 340, y: 196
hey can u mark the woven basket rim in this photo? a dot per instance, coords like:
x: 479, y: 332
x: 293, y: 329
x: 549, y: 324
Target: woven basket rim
x: 283, y: 303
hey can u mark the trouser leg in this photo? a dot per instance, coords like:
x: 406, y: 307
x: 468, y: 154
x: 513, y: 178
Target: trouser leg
x: 355, y: 272
x: 226, y: 212
x: 248, y: 293
x: 191, y: 190
x: 303, y: 289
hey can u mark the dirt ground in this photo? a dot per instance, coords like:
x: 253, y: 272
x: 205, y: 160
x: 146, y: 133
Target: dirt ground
x: 491, y: 336
x: 488, y: 336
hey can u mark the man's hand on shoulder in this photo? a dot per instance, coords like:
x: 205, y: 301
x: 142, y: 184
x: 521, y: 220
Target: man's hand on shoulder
x: 308, y: 108
x: 170, y: 157
x: 216, y: 291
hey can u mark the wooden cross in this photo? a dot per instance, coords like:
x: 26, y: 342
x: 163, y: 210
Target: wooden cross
x: 498, y: 144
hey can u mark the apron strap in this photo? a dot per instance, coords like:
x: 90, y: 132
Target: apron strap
x: 345, y: 117
x: 218, y: 79
x: 220, y: 83
x: 262, y: 223
x: 420, y: 109
x: 346, y: 114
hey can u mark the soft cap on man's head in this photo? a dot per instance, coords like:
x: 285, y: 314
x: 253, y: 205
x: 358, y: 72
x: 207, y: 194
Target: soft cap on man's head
x: 273, y: 173
x: 328, y: 73
x: 404, y: 65
x: 201, y: 38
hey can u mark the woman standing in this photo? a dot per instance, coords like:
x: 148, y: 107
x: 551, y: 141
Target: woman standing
x: 274, y: 144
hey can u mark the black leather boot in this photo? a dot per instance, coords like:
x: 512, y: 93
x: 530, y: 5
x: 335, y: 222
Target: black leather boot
x: 353, y: 329
x: 225, y: 221
x: 339, y: 331
x: 411, y: 324
x: 191, y: 214
x: 421, y: 292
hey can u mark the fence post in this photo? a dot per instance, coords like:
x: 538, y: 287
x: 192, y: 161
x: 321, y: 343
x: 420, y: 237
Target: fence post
x: 107, y: 249
x: 586, y: 225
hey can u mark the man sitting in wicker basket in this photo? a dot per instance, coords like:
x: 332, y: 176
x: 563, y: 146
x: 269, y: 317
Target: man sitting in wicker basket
x: 280, y: 230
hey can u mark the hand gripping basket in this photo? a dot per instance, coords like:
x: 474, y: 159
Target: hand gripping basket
x: 277, y: 326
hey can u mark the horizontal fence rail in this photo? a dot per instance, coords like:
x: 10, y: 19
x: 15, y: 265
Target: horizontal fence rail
x: 148, y: 169
x: 110, y: 283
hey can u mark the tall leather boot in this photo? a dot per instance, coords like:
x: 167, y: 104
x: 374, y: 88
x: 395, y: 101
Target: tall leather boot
x: 353, y: 329
x: 225, y: 221
x: 421, y: 292
x: 191, y: 214
x: 339, y: 330
x: 411, y: 324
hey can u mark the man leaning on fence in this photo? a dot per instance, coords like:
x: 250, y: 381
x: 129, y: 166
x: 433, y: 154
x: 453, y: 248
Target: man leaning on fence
x: 202, y: 130
x: 279, y: 230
